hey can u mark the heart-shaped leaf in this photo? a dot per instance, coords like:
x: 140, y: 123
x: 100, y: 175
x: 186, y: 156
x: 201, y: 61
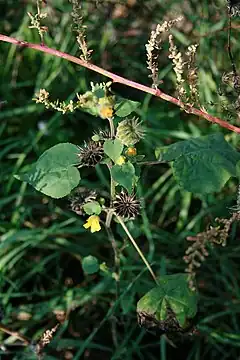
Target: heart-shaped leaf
x: 113, y: 149
x: 201, y: 165
x: 170, y: 305
x: 54, y: 173
x: 125, y: 107
x: 92, y: 207
x: 124, y: 175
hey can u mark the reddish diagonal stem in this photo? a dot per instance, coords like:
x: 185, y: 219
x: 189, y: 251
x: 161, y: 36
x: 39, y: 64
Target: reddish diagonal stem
x: 120, y: 79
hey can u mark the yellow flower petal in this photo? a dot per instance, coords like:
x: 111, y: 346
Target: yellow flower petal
x: 106, y: 112
x: 120, y: 160
x: 87, y: 225
x: 93, y: 223
x: 131, y: 151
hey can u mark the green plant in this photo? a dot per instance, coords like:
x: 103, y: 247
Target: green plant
x: 210, y: 159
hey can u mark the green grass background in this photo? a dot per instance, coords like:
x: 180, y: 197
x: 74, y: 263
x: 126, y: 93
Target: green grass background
x: 42, y: 242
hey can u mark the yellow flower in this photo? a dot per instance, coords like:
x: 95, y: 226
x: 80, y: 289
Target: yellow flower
x: 106, y: 112
x: 120, y: 160
x: 93, y: 223
x: 131, y: 151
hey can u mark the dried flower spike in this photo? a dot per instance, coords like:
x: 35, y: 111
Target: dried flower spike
x: 43, y: 98
x: 45, y: 339
x: 36, y: 21
x: 192, y: 74
x: 197, y: 252
x: 178, y: 67
x: 80, y: 29
x: 153, y: 48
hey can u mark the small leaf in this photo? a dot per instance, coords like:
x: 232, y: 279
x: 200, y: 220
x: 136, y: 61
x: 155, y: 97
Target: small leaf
x: 92, y: 207
x: 125, y: 107
x: 139, y: 157
x: 99, y: 93
x: 124, y: 175
x: 90, y: 264
x: 113, y: 149
x: 201, y: 165
x: 170, y: 306
x: 105, y: 270
x: 54, y: 173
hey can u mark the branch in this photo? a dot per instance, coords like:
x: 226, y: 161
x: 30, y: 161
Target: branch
x: 15, y: 334
x: 121, y: 80
x: 121, y: 222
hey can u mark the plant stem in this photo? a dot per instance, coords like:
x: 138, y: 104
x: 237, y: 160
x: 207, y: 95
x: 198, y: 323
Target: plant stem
x: 15, y: 334
x: 151, y: 162
x: 121, y: 80
x: 110, y: 233
x: 116, y: 260
x: 136, y: 247
x: 115, y: 250
x: 112, y: 185
x: 112, y: 189
x: 112, y: 130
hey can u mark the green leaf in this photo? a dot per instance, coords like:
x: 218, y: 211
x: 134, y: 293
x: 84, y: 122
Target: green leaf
x: 54, y: 173
x: 139, y: 158
x: 203, y: 164
x: 105, y: 270
x: 125, y: 107
x: 238, y: 169
x: 90, y: 264
x: 92, y: 208
x: 124, y: 175
x: 171, y: 300
x: 113, y: 149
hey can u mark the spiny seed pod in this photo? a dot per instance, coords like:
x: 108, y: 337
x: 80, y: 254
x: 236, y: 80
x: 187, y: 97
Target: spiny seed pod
x: 130, y: 131
x: 101, y: 135
x: 126, y: 206
x: 79, y: 198
x: 232, y: 79
x: 91, y: 153
x: 234, y: 7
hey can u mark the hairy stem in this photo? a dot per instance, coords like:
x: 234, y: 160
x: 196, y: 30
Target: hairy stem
x: 112, y: 130
x: 149, y: 163
x: 111, y: 236
x: 112, y: 185
x: 115, y: 250
x: 116, y: 259
x: 112, y: 189
x: 136, y: 247
x: 121, y: 80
